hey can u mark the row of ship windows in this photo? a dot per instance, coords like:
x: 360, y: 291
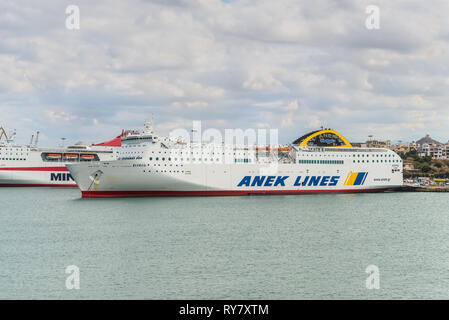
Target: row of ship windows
x: 15, y: 159
x: 342, y: 162
x: 321, y: 161
x: 308, y: 155
x: 174, y: 171
x: 12, y: 151
x: 154, y: 165
x: 191, y: 153
x: 201, y: 159
x: 377, y: 155
x: 344, y: 156
x: 367, y: 161
x: 299, y: 161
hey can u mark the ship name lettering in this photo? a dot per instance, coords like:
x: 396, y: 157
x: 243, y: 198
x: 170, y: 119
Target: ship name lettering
x: 275, y: 181
x: 60, y: 176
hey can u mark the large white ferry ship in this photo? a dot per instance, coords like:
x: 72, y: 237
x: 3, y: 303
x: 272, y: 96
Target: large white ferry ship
x: 23, y: 166
x: 320, y: 161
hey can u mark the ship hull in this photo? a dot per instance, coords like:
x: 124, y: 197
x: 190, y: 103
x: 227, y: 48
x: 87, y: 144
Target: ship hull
x: 139, y: 179
x: 25, y: 167
x: 36, y: 177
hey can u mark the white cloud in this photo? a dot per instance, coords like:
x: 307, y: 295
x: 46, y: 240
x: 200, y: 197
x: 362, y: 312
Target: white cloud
x: 241, y: 63
x: 262, y: 81
x: 59, y: 116
x: 190, y: 105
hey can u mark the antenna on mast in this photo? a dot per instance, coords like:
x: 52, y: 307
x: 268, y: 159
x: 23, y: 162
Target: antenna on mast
x: 37, y: 139
x: 12, y: 136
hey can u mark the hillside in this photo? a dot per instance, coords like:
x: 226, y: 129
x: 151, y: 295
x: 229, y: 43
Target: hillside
x: 424, y: 166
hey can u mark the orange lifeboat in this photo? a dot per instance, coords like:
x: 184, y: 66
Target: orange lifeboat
x: 87, y: 156
x: 54, y: 156
x: 70, y: 156
x: 283, y: 149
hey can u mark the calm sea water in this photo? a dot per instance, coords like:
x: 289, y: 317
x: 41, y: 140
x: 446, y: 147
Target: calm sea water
x: 276, y: 247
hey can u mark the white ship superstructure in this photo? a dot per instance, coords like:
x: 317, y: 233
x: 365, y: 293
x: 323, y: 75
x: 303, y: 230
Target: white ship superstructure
x: 29, y: 165
x: 321, y: 161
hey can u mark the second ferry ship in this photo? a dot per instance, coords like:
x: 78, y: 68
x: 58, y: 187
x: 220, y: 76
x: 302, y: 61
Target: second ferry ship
x: 321, y: 161
x: 30, y: 166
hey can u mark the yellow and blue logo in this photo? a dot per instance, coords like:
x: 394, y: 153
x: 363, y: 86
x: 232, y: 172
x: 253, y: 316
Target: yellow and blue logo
x: 355, y: 178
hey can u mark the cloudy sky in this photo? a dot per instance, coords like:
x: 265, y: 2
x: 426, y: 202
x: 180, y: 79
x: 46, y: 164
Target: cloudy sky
x: 288, y: 64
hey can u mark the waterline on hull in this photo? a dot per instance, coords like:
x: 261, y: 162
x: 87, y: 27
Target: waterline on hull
x: 122, y: 194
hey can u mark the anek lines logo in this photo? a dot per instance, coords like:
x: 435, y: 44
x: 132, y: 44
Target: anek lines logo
x: 282, y: 181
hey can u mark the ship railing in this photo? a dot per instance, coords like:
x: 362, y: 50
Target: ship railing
x: 337, y: 149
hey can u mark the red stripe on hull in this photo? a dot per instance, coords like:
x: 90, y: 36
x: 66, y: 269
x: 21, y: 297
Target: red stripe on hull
x: 117, y: 194
x: 36, y: 185
x: 34, y: 169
